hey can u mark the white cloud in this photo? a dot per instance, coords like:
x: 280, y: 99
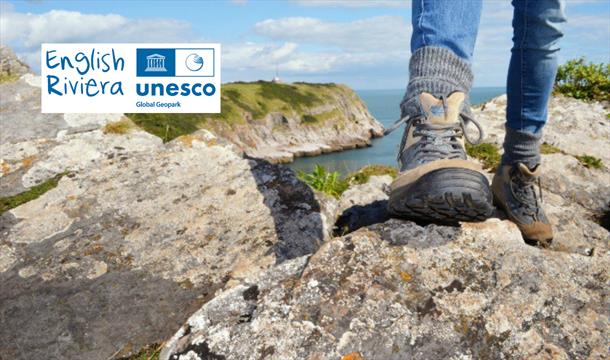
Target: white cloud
x: 355, y: 3
x: 374, y: 33
x: 25, y: 31
x: 265, y: 57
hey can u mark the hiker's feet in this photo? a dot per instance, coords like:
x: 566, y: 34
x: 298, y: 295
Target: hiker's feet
x: 514, y: 192
x: 436, y: 181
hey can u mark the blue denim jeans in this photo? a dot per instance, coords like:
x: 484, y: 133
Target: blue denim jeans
x: 453, y: 24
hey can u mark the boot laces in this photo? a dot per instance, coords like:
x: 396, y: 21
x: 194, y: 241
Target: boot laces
x: 524, y: 191
x: 440, y: 141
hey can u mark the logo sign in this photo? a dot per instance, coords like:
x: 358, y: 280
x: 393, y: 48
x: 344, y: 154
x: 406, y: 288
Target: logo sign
x: 130, y: 78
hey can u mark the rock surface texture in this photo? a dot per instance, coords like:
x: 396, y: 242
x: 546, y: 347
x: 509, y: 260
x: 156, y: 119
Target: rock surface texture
x: 117, y: 257
x: 395, y: 289
x: 136, y: 236
x: 217, y: 255
x: 576, y: 197
x: 399, y: 291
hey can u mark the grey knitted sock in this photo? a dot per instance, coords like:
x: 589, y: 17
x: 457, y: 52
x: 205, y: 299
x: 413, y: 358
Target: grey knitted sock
x: 521, y: 146
x: 437, y: 71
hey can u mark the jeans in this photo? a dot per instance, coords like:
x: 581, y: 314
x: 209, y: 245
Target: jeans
x: 453, y: 24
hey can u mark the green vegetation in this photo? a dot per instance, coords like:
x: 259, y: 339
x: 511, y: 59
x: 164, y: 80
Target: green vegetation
x: 487, y: 153
x: 590, y: 161
x: 320, y: 118
x: 580, y: 80
x: 122, y: 126
x: 168, y: 126
x: 150, y: 352
x: 363, y: 175
x: 11, y: 202
x: 241, y: 98
x: 333, y: 184
x: 6, y: 77
x: 309, y: 119
x: 325, y: 181
x: 546, y: 149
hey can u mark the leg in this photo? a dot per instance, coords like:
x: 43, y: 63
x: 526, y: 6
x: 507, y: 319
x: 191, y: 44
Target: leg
x: 450, y: 24
x: 531, y: 74
x: 437, y: 182
x: 442, y: 45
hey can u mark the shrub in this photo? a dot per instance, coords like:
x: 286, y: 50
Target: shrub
x: 325, y: 181
x: 6, y: 78
x: 583, y: 81
x: 363, y: 175
x: 122, y: 126
x: 547, y: 148
x: 590, y: 161
x: 487, y: 153
x: 309, y: 119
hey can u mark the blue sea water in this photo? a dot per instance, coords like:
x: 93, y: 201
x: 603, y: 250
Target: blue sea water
x: 383, y: 104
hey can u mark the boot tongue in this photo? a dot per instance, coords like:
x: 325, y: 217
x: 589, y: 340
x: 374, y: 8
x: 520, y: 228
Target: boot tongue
x: 528, y: 174
x: 436, y: 113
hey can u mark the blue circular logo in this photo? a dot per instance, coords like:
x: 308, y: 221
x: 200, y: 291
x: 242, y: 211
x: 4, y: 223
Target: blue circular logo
x: 194, y: 62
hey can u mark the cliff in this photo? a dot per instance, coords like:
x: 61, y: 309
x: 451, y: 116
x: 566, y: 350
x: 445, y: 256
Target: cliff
x: 278, y: 122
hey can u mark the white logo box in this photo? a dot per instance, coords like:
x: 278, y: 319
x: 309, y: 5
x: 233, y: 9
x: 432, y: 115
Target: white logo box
x: 89, y: 78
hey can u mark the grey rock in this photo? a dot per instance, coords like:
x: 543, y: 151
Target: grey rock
x: 118, y: 256
x: 10, y: 63
x: 574, y: 196
x: 401, y: 291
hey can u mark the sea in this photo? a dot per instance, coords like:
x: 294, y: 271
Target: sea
x: 384, y: 106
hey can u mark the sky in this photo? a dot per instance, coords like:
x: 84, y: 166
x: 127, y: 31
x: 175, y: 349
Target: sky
x: 361, y: 43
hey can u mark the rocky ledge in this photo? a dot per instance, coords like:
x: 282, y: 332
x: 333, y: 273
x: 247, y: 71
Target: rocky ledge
x: 197, y: 247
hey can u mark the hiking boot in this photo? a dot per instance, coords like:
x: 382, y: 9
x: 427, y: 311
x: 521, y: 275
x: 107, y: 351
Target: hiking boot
x: 513, y: 190
x: 436, y: 181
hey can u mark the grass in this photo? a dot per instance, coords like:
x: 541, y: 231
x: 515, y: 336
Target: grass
x: 168, y: 126
x: 363, y: 175
x: 6, y: 78
x: 122, y: 126
x: 11, y: 202
x: 241, y: 98
x: 590, y: 162
x: 150, y: 352
x: 331, y: 183
x: 546, y: 149
x: 325, y: 181
x: 487, y: 153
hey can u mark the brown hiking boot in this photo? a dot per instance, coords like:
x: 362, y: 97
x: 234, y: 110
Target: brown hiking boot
x: 436, y: 181
x: 513, y: 190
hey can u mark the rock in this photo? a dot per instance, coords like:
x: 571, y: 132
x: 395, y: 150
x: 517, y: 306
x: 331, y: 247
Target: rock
x: 139, y: 235
x: 10, y: 65
x: 35, y: 147
x: 574, y: 196
x: 363, y: 205
x: 574, y: 126
x: 118, y: 256
x: 391, y: 289
x: 399, y: 291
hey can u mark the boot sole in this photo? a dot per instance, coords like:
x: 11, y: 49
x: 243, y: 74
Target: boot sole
x: 445, y: 195
x: 543, y: 242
